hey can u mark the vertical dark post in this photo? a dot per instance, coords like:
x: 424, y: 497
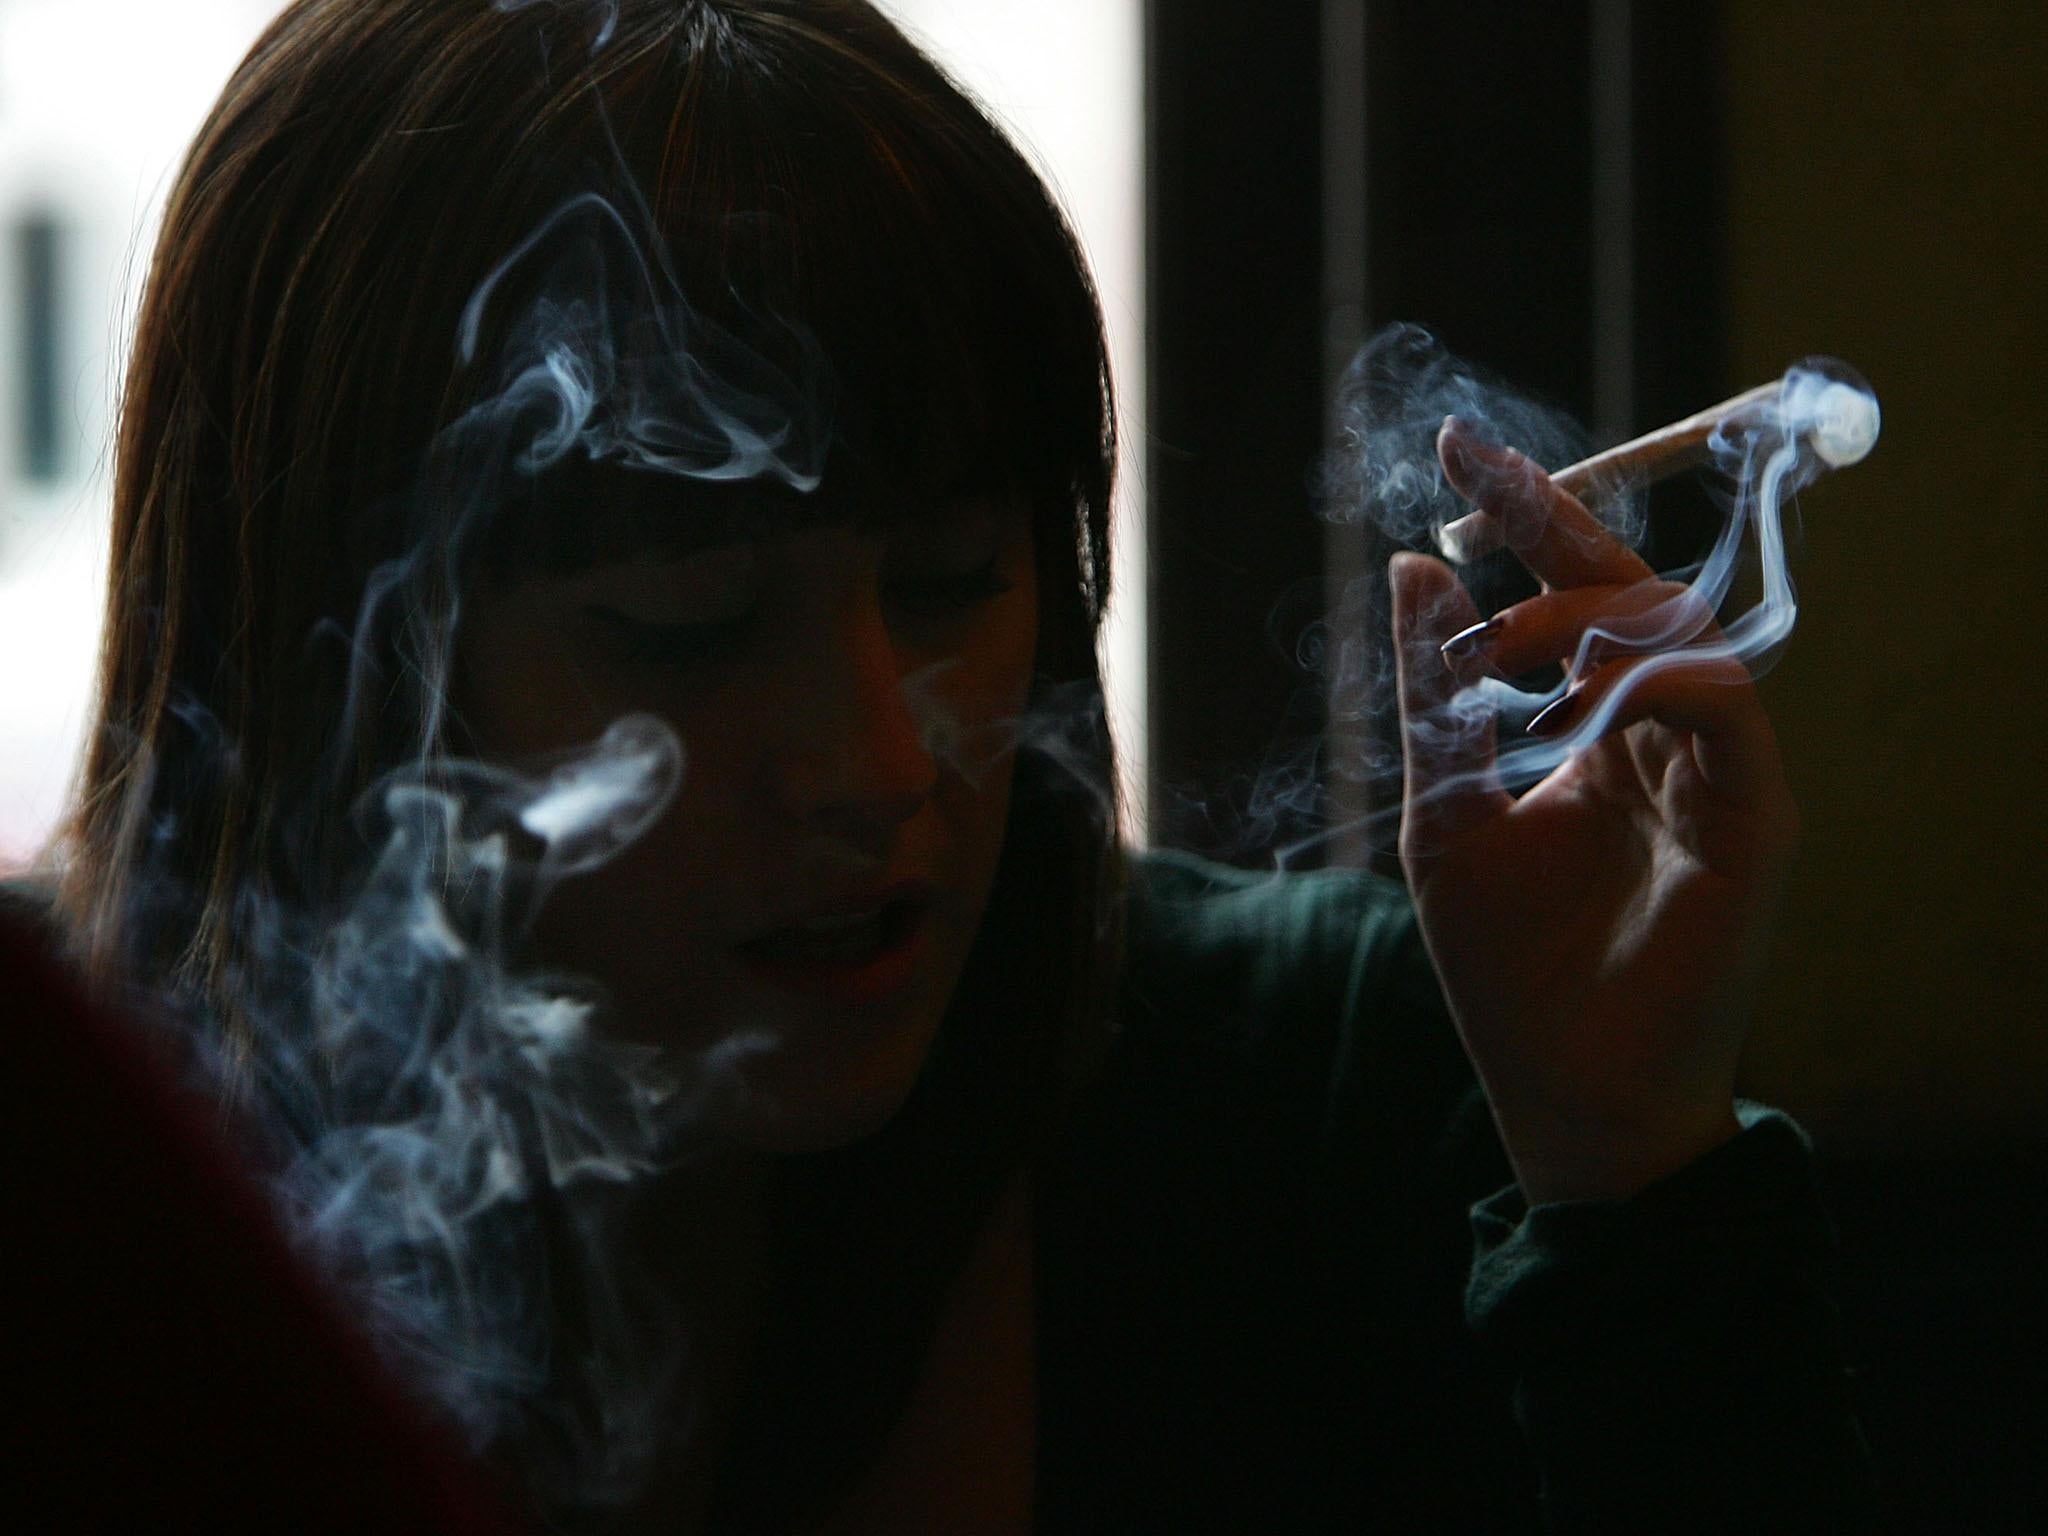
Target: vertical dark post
x: 1234, y: 283
x: 40, y: 300
x: 1479, y: 143
x: 1678, y: 309
x: 1477, y: 136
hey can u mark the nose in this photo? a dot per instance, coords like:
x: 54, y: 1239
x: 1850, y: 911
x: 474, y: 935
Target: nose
x: 853, y: 761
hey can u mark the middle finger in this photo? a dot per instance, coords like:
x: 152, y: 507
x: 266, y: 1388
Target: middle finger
x: 1581, y: 627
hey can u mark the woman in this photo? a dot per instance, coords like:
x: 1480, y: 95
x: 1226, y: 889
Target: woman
x: 506, y: 371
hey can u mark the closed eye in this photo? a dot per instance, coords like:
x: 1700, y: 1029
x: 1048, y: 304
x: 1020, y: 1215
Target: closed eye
x: 680, y: 646
x: 938, y: 594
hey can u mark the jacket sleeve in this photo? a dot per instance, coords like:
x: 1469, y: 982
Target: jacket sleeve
x: 1675, y: 1358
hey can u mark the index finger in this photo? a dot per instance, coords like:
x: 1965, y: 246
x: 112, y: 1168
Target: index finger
x: 1547, y: 527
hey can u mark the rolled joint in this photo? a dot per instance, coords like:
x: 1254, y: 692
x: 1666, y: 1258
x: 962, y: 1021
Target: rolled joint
x: 1837, y: 419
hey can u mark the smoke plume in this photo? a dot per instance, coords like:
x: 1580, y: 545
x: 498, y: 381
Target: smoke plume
x: 1384, y: 474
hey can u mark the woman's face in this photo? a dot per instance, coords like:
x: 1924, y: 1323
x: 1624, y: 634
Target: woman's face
x: 844, y: 700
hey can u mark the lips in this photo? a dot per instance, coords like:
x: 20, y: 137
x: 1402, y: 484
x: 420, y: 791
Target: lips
x: 852, y: 948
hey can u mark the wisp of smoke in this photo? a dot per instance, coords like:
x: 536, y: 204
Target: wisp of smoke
x: 1385, y: 471
x: 598, y: 359
x: 1060, y: 726
x: 456, y: 1137
x: 448, y: 1130
x: 606, y: 13
x: 1390, y: 403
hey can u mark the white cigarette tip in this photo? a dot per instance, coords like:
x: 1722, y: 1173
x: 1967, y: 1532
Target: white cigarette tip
x: 1467, y: 538
x: 1845, y: 424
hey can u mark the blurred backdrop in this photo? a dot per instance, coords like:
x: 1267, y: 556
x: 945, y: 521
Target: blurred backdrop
x: 1629, y: 209
x: 97, y: 101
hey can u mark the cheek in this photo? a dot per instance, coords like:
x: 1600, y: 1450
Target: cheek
x: 975, y: 810
x: 970, y: 703
x: 632, y: 926
x: 521, y: 689
x: 655, y: 924
x: 981, y: 717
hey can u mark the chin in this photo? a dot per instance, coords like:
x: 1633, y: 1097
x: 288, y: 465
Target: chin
x: 807, y: 1098
x: 789, y: 1124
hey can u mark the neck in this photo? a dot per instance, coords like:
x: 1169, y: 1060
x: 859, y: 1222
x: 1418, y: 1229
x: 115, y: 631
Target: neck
x: 962, y: 1457
x: 702, y: 1233
x: 957, y: 1449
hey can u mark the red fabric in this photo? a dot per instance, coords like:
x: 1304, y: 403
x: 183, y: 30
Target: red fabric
x: 173, y: 1364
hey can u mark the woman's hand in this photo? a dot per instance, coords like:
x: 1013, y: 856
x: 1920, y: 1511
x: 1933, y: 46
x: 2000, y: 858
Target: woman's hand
x: 1597, y: 937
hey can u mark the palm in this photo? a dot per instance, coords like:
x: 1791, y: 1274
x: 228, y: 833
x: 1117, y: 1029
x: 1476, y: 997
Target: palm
x: 1635, y: 913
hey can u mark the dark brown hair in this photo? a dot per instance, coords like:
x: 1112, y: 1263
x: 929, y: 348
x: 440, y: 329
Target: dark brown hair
x: 803, y: 174
x: 296, y: 509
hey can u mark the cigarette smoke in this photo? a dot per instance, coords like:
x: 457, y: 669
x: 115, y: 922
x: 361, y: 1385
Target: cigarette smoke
x: 605, y: 12
x: 1060, y: 726
x: 1393, y: 398
x: 449, y: 1132
x: 1384, y: 472
x: 454, y: 1136
x: 1332, y: 746
x: 599, y: 360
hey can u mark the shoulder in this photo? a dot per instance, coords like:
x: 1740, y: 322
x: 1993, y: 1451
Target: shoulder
x: 1280, y: 1138
x: 1299, y: 1007
x: 1205, y: 936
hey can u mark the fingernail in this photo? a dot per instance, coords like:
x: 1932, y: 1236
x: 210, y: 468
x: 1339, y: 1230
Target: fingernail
x: 1558, y: 716
x: 1467, y: 643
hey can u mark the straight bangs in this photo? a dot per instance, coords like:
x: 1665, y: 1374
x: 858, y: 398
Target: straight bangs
x: 842, y: 221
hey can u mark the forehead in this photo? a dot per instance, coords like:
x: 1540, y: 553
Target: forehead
x: 587, y: 515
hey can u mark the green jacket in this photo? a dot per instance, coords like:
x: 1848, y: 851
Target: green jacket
x: 1286, y: 1282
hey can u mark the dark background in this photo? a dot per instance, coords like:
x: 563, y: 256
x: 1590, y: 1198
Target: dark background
x: 1633, y: 210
